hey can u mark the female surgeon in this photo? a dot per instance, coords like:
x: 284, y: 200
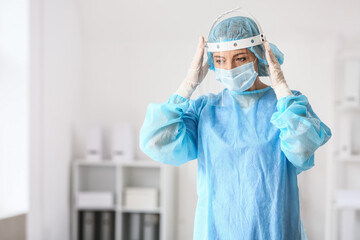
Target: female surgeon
x: 249, y: 148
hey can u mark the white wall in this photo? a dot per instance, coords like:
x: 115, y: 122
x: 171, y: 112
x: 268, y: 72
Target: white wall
x: 56, y: 72
x: 112, y: 58
x: 62, y: 107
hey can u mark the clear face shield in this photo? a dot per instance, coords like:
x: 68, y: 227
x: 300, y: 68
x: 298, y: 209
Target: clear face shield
x: 236, y: 55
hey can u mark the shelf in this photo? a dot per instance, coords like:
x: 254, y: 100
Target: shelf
x: 347, y: 199
x: 353, y: 158
x: 151, y: 164
x: 114, y: 176
x: 120, y: 209
x: 95, y: 208
x: 102, y: 163
x: 110, y: 163
x: 133, y: 210
x: 347, y: 108
x: 343, y: 207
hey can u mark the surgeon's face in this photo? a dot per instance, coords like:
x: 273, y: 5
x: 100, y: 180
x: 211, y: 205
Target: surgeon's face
x: 234, y: 58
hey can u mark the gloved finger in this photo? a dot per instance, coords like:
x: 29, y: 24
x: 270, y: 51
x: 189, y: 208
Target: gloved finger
x: 274, y: 70
x: 203, y: 71
x: 198, y: 58
x: 270, y: 57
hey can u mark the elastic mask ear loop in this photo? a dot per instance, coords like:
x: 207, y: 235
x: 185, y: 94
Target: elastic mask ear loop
x: 258, y: 62
x: 267, y: 70
x: 222, y: 94
x: 222, y: 97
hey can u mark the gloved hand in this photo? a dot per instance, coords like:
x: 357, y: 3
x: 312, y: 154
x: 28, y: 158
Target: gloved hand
x: 278, y: 82
x: 196, y: 72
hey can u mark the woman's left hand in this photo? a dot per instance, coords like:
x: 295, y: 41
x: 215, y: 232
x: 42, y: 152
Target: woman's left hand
x: 277, y: 78
x: 276, y: 74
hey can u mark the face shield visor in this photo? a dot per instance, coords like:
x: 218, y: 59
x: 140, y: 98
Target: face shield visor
x: 236, y: 55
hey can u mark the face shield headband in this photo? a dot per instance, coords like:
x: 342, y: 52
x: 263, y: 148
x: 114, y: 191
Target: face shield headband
x: 236, y: 44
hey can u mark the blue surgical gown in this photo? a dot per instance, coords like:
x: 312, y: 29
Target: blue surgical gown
x: 249, y: 152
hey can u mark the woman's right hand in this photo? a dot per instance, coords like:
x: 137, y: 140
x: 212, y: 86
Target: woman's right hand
x: 196, y: 72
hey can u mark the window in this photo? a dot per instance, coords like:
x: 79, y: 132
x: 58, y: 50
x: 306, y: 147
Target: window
x: 14, y: 116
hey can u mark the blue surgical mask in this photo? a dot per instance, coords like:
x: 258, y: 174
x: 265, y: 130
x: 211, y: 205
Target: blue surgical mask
x: 237, y: 79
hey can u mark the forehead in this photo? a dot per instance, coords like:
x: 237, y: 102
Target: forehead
x: 231, y: 52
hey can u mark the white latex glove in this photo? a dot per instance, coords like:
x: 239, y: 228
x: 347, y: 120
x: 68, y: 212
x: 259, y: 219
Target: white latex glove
x: 196, y: 72
x: 278, y: 82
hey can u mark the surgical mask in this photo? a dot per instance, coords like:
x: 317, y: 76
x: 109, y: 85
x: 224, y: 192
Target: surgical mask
x: 237, y: 79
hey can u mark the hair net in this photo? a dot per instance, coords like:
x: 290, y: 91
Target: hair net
x: 236, y: 28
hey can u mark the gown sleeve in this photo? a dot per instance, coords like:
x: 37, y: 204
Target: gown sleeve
x: 301, y: 130
x: 169, y: 132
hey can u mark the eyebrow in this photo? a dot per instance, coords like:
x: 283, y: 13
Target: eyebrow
x: 240, y: 54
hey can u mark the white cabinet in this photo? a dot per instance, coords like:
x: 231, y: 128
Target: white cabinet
x: 100, y: 187
x: 343, y: 189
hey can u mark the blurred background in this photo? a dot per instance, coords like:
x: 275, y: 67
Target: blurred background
x: 76, y: 71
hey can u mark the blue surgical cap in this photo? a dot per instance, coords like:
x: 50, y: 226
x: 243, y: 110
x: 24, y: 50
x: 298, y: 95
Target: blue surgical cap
x: 236, y: 28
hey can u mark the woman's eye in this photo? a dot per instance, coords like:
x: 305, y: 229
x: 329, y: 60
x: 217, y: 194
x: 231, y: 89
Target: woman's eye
x: 241, y: 59
x: 219, y: 61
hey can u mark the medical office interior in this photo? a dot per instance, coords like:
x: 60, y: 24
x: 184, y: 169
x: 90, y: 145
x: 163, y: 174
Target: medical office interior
x: 76, y: 77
